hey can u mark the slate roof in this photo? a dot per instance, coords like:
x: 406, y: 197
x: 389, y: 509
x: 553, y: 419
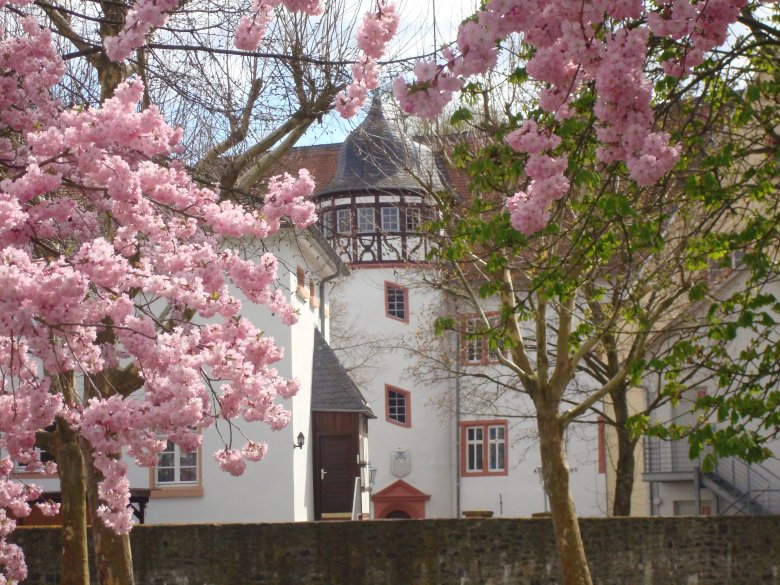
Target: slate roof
x: 332, y: 390
x: 376, y: 156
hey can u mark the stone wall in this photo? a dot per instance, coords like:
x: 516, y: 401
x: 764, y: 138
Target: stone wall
x: 632, y: 551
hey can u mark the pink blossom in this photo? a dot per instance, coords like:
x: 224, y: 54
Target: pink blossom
x: 527, y: 215
x: 372, y: 36
x: 603, y: 42
x: 254, y: 451
x: 138, y: 256
x: 49, y: 508
x: 231, y: 461
x: 143, y: 17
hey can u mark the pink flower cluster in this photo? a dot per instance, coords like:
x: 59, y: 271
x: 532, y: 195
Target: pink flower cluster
x: 15, y: 501
x: 604, y: 41
x: 433, y: 89
x: 142, y: 18
x: 529, y: 210
x: 252, y: 29
x: 372, y: 36
x: 700, y: 27
x: 97, y: 237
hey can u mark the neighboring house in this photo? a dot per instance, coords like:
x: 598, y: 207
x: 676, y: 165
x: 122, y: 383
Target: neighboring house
x: 675, y: 484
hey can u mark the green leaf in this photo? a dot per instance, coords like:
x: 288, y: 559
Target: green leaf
x: 709, y: 463
x: 461, y: 115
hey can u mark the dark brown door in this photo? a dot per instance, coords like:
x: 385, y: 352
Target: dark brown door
x: 336, y: 474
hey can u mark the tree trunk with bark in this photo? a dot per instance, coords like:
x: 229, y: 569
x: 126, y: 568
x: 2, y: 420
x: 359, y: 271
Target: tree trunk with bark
x: 626, y: 462
x: 113, y: 556
x: 73, y: 509
x: 555, y: 470
x: 73, y: 484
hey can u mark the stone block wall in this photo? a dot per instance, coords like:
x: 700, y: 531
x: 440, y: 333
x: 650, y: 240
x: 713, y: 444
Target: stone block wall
x: 631, y: 551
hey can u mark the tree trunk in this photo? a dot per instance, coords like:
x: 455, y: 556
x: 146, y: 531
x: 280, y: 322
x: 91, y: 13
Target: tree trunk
x: 626, y: 463
x: 110, y: 74
x: 113, y: 557
x: 73, y: 510
x: 555, y: 470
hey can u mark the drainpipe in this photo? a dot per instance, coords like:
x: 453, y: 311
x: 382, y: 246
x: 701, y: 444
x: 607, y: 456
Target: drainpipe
x: 457, y: 427
x: 322, y: 297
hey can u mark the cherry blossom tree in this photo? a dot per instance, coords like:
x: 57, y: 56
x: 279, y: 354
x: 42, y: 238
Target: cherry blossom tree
x: 119, y: 330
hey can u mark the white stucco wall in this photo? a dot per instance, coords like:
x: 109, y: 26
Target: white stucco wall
x: 433, y: 436
x: 280, y: 487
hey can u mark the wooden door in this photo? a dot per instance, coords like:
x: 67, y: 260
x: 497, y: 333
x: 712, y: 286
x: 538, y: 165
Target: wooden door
x: 336, y: 475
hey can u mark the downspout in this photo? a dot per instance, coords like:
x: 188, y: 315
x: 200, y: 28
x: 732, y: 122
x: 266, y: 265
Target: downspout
x: 322, y: 298
x: 457, y: 427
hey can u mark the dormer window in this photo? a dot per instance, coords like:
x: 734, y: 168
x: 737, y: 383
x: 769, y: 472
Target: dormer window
x: 390, y: 222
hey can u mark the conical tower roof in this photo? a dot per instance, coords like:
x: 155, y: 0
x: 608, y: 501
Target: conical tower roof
x: 375, y: 156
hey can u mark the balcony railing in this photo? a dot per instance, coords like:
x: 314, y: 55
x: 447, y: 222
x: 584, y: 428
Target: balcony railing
x: 668, y: 457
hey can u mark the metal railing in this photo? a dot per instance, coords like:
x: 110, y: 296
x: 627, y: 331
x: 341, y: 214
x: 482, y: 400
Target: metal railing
x: 749, y: 488
x: 668, y: 456
x: 756, y: 489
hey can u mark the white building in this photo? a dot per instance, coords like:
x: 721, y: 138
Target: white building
x: 679, y: 486
x: 435, y: 456
x: 190, y: 487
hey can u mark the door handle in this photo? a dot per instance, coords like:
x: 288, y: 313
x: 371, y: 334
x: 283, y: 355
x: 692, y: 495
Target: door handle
x: 323, y: 473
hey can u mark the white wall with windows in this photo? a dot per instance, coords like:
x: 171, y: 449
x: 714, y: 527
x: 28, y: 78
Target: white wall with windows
x: 382, y: 307
x: 489, y: 454
x: 190, y: 487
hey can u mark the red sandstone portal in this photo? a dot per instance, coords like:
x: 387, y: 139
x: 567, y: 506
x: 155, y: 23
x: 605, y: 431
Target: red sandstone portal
x: 399, y: 500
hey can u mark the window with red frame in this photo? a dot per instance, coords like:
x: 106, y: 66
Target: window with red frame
x: 397, y: 302
x: 484, y: 448
x: 475, y: 346
x: 398, y: 406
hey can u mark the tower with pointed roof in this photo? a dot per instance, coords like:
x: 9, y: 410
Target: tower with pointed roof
x: 435, y: 454
x: 372, y: 212
x: 373, y: 208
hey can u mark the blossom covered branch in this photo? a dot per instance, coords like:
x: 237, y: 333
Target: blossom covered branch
x: 574, y: 43
x: 109, y: 257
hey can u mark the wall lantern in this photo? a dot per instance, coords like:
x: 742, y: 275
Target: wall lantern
x: 371, y: 477
x: 299, y: 444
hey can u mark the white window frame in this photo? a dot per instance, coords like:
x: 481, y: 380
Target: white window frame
x: 401, y: 407
x: 327, y: 223
x: 366, y: 219
x: 178, y: 458
x: 475, y: 449
x: 413, y: 218
x: 391, y: 219
x: 400, y: 300
x: 496, y: 448
x: 485, y: 448
x: 344, y: 221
